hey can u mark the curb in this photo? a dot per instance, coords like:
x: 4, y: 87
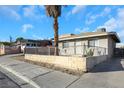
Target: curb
x: 29, y: 81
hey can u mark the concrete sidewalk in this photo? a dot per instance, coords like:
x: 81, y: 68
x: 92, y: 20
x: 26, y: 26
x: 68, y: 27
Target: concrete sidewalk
x: 29, y: 75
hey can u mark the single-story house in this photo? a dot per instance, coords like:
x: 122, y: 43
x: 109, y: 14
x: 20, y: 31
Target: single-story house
x: 96, y: 43
x: 33, y: 43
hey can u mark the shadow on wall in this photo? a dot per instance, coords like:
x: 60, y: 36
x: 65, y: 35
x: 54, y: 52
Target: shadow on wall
x: 115, y: 64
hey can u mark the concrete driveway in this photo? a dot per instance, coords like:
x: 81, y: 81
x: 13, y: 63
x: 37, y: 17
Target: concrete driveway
x: 104, y: 75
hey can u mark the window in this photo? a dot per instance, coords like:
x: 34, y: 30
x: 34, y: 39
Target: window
x: 93, y: 42
x: 65, y: 45
x: 34, y: 45
x: 28, y: 44
x: 78, y: 43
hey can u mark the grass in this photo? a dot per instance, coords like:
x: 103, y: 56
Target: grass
x: 50, y: 66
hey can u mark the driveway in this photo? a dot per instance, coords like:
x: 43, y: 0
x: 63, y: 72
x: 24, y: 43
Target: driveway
x: 104, y: 75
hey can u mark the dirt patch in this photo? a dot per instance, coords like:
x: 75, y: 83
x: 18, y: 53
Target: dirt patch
x: 50, y: 66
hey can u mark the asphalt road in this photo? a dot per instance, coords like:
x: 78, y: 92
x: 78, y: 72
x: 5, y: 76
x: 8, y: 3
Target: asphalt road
x: 6, y: 82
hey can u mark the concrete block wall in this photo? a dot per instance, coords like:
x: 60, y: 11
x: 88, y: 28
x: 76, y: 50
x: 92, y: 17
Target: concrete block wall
x: 73, y: 63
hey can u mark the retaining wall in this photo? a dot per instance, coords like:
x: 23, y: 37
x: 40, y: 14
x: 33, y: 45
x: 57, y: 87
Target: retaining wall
x: 73, y: 63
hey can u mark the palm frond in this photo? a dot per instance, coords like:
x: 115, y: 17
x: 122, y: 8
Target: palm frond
x: 53, y: 10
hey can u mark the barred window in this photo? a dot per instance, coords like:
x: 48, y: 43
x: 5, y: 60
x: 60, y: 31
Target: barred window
x: 93, y: 43
x: 65, y: 45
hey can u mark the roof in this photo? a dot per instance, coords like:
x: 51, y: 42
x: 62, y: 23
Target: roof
x: 31, y: 40
x: 89, y: 35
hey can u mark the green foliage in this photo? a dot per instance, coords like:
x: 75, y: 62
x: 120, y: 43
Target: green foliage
x: 89, y: 52
x: 19, y: 39
x: 6, y: 43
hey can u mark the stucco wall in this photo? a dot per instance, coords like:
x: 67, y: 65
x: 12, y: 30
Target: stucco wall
x: 111, y: 46
x: 73, y: 63
x: 2, y: 51
x: 92, y: 61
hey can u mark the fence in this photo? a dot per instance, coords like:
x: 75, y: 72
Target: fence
x: 119, y: 52
x: 83, y: 50
x: 78, y: 50
x: 40, y: 50
x: 9, y: 49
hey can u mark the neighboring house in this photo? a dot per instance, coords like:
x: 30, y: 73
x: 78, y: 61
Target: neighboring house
x: 32, y: 43
x: 7, y: 48
x: 119, y: 51
x: 89, y: 43
x: 120, y: 45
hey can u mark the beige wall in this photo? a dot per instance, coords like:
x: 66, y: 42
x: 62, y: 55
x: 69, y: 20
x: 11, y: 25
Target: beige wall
x: 92, y: 61
x: 73, y: 63
x: 2, y: 50
x: 79, y: 64
x: 111, y: 46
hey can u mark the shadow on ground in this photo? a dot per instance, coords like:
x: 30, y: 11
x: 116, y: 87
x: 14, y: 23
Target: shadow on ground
x: 115, y: 64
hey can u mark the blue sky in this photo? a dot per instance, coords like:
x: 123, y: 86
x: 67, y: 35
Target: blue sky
x: 31, y: 21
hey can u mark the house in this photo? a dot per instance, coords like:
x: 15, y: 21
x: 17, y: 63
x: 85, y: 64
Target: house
x: 32, y: 43
x: 8, y: 48
x: 96, y: 43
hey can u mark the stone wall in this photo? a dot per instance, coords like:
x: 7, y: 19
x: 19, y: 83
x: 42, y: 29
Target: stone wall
x: 73, y: 63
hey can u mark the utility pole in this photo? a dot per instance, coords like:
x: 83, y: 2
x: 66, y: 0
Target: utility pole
x: 10, y: 39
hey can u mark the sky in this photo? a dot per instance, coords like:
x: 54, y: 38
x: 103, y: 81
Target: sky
x: 31, y: 22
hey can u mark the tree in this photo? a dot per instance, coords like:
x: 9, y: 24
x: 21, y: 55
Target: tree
x: 19, y: 39
x: 54, y: 11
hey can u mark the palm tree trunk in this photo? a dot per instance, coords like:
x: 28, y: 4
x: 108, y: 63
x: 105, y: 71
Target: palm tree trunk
x: 56, y: 35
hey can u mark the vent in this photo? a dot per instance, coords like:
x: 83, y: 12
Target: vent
x: 101, y: 30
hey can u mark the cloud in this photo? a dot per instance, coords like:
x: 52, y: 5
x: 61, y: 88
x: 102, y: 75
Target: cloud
x: 77, y: 9
x: 92, y: 18
x: 79, y: 30
x: 110, y: 25
x: 26, y: 27
x: 116, y: 24
x: 12, y: 11
x: 33, y: 12
x: 37, y: 37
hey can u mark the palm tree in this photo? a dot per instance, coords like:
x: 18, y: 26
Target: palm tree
x: 54, y: 11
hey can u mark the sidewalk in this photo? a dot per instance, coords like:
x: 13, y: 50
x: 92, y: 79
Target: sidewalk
x: 29, y: 75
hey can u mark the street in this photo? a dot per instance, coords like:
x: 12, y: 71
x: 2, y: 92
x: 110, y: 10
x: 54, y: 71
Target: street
x: 6, y: 82
x: 104, y: 75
